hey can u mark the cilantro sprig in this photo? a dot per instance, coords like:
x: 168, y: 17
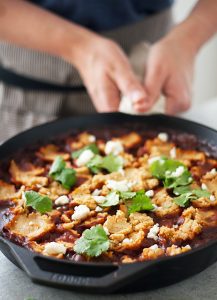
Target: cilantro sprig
x: 93, y: 242
x: 188, y: 195
x: 39, y: 202
x: 165, y: 170
x: 92, y: 147
x: 140, y: 202
x: 110, y: 163
x: 59, y: 172
x: 111, y: 199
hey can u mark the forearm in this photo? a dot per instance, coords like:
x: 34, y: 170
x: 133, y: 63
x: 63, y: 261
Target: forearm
x: 30, y: 26
x: 199, y: 26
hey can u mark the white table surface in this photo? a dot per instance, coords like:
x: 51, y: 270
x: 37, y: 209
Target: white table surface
x: 15, y: 285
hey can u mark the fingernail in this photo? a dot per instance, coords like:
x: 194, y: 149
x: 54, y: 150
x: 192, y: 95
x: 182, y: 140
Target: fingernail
x: 135, y: 96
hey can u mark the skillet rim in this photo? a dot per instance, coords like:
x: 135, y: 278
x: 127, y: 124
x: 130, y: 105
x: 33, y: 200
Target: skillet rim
x: 98, y: 116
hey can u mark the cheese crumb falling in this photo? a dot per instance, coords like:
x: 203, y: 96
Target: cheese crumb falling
x: 81, y: 212
x: 113, y: 147
x: 54, y: 248
x: 62, y: 200
x: 153, y: 232
x: 163, y: 136
x: 84, y: 158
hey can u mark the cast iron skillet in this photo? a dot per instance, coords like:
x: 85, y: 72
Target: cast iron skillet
x: 101, y: 277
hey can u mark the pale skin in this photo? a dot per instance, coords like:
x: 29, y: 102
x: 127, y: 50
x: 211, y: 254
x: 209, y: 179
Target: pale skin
x: 102, y: 64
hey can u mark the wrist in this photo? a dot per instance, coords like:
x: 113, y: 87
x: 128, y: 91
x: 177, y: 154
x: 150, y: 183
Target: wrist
x: 191, y: 34
x: 74, y: 44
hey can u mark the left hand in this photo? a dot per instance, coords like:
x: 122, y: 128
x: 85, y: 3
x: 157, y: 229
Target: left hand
x: 170, y: 72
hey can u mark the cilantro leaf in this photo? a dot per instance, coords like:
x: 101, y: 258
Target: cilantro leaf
x: 93, y: 242
x: 184, y: 199
x: 66, y: 177
x: 112, y: 163
x: 38, y: 202
x: 201, y: 193
x: 181, y: 190
x: 57, y: 166
x: 111, y: 199
x: 92, y: 147
x: 59, y: 172
x: 140, y: 202
x: 127, y: 195
x: 95, y: 164
x: 165, y: 169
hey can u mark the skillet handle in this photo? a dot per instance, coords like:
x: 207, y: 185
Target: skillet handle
x: 110, y: 279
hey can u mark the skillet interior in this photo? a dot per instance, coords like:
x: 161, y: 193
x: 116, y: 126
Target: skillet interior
x: 157, y: 123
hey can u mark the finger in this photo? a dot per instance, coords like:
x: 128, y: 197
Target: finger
x: 154, y: 82
x: 129, y: 84
x: 177, y: 104
x: 106, y: 97
x: 178, y: 99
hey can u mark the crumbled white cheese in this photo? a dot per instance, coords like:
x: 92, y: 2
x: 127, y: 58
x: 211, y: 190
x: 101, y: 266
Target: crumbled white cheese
x: 96, y: 192
x: 154, y: 247
x: 149, y: 193
x: 212, y: 198
x: 163, y: 136
x: 84, y: 158
x: 81, y: 212
x: 127, y: 241
x: 99, y: 199
x: 203, y: 186
x: 173, y: 152
x: 92, y: 138
x: 62, y: 200
x: 153, y: 232
x: 113, y: 147
x: 213, y: 171
x: 54, y: 248
x: 153, y: 159
x: 175, y: 226
x: 178, y: 172
x: 98, y: 209
x: 120, y: 186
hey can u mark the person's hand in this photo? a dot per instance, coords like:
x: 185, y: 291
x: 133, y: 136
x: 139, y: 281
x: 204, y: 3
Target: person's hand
x: 169, y: 71
x: 107, y: 75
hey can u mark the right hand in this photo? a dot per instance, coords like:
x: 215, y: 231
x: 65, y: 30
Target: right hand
x: 107, y: 75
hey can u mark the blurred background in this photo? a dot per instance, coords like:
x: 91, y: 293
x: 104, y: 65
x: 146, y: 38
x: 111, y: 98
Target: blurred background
x: 205, y: 84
